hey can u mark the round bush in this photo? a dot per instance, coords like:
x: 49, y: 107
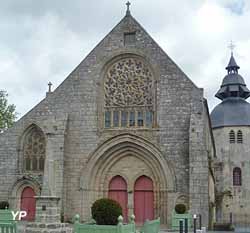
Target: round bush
x: 4, y: 205
x: 106, y: 211
x: 180, y: 209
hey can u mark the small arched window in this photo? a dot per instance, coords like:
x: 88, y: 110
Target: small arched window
x: 239, y: 136
x: 237, y: 176
x: 231, y: 136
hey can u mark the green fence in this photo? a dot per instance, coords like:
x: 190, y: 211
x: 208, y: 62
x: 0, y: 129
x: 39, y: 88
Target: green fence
x: 7, y: 224
x: 151, y: 226
x: 90, y: 228
x: 176, y: 218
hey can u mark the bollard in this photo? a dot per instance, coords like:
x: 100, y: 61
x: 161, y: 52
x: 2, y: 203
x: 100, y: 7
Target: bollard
x: 181, y: 226
x: 231, y: 218
x: 195, y: 223
x: 186, y: 225
x: 200, y: 221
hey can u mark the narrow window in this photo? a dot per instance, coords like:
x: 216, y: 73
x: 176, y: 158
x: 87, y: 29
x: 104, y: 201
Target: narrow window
x: 34, y: 164
x: 41, y: 163
x: 239, y: 137
x: 237, y: 176
x: 231, y: 137
x: 132, y: 119
x: 27, y: 163
x: 149, y: 118
x: 124, y: 119
x: 115, y: 118
x: 107, y: 119
x: 140, y: 118
x: 129, y: 38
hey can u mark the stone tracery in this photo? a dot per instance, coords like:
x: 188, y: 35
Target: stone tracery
x: 128, y: 90
x: 34, y: 150
x: 128, y: 82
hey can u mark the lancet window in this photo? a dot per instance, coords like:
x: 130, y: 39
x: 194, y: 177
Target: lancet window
x: 34, y: 150
x: 236, y: 176
x: 239, y: 136
x: 231, y: 136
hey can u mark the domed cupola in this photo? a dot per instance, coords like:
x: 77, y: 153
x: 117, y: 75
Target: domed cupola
x: 234, y: 109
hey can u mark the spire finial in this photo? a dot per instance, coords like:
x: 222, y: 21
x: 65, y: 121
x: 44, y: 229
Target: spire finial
x: 231, y: 47
x: 128, y: 10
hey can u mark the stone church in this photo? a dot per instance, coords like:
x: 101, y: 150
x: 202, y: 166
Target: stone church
x: 128, y: 124
x: 231, y: 129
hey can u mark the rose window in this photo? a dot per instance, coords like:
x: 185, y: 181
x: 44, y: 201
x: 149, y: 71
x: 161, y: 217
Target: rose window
x: 129, y: 98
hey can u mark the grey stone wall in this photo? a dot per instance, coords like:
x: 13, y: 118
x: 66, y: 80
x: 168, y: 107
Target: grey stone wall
x: 232, y: 199
x: 200, y: 145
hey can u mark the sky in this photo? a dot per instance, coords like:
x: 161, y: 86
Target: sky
x: 43, y: 41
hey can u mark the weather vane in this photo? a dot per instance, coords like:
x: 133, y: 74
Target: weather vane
x: 231, y: 46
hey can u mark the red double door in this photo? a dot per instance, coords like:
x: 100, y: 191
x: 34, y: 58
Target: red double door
x: 143, y: 197
x: 28, y: 203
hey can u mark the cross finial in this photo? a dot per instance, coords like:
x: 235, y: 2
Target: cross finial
x: 231, y: 47
x: 128, y: 10
x: 49, y: 84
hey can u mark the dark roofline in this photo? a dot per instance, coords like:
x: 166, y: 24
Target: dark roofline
x: 222, y: 126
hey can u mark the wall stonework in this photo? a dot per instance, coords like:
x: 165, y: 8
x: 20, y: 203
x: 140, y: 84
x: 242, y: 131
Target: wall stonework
x: 232, y: 199
x: 174, y: 153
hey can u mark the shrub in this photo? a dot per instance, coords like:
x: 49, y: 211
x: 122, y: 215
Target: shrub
x: 4, y: 205
x: 180, y: 209
x: 106, y: 211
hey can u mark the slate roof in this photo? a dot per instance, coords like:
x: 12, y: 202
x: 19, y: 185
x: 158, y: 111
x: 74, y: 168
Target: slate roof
x: 234, y: 109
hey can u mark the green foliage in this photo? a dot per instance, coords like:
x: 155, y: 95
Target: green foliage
x: 106, y: 211
x: 7, y: 112
x: 180, y: 209
x: 4, y: 205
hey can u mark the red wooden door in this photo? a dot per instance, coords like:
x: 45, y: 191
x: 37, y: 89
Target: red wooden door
x: 28, y: 203
x: 118, y: 192
x: 143, y: 199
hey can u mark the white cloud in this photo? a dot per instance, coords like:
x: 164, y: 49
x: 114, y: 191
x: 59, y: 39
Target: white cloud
x: 44, y: 42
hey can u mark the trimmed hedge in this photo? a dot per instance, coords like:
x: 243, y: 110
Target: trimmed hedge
x: 180, y: 209
x: 106, y: 211
x: 4, y: 205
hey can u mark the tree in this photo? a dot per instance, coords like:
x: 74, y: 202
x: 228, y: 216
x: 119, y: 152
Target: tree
x: 7, y: 112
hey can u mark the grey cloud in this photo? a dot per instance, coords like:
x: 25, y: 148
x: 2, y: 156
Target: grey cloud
x: 43, y: 41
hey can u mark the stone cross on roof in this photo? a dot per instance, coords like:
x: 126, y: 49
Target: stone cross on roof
x: 49, y: 84
x: 128, y: 10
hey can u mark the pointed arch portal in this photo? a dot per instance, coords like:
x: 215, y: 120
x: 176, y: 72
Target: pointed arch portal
x: 130, y: 156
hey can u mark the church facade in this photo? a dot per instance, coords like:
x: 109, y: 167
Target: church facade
x: 127, y: 124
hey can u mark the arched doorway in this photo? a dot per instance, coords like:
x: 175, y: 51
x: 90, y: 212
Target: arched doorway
x: 28, y: 203
x: 143, y: 199
x: 118, y: 192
